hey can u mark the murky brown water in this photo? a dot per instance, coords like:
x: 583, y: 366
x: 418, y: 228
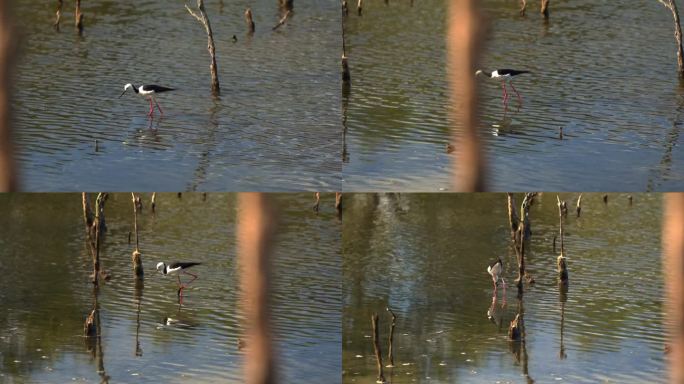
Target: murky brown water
x: 46, y: 295
x: 425, y: 256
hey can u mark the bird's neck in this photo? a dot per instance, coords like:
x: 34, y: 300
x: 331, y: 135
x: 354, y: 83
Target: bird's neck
x: 135, y: 88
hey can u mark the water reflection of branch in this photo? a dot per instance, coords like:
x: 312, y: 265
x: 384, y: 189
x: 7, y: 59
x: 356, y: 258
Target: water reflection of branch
x: 346, y: 89
x: 517, y: 336
x: 201, y: 171
x: 561, y: 354
x: 139, y: 285
x: 670, y: 142
x: 93, y: 336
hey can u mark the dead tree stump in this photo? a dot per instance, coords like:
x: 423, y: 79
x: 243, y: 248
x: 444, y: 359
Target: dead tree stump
x: 545, y: 8
x: 249, y: 20
x: 202, y: 18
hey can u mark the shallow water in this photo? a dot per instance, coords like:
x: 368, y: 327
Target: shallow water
x: 275, y: 126
x: 46, y: 295
x: 604, y: 71
x: 425, y: 256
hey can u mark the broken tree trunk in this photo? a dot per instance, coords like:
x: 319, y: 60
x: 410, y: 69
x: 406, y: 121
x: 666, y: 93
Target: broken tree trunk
x: 390, y: 351
x: 672, y: 6
x: 58, y: 15
x: 561, y: 261
x: 136, y: 256
x: 464, y: 38
x: 579, y: 205
x: 249, y: 20
x: 513, y: 220
x: 78, y: 17
x: 202, y: 18
x: 545, y: 8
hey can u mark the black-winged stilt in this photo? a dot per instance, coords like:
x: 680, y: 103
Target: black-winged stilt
x: 506, y: 76
x: 495, y: 269
x: 176, y: 269
x: 148, y: 91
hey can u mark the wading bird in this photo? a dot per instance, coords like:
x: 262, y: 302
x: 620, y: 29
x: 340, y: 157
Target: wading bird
x: 506, y: 76
x: 177, y: 269
x: 148, y: 91
x: 495, y: 269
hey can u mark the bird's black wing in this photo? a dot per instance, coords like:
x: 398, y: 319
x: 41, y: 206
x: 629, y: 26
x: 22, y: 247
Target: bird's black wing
x: 495, y: 262
x: 157, y: 88
x: 512, y: 72
x: 182, y: 265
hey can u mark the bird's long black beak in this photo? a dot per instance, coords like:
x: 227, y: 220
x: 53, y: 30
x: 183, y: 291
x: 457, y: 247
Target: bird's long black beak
x: 122, y: 93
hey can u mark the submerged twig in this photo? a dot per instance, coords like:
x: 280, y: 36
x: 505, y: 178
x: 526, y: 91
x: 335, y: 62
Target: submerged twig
x: 282, y: 20
x: 390, y: 352
x: 376, y: 347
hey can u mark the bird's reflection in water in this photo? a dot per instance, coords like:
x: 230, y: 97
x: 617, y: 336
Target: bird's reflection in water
x: 179, y: 321
x: 495, y: 313
x: 505, y: 125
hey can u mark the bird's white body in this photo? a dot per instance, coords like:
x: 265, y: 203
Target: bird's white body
x: 148, y: 91
x: 167, y: 270
x: 496, y: 75
x: 495, y: 271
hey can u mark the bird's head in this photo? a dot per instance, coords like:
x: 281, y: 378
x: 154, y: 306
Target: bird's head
x: 160, y: 266
x: 129, y: 85
x: 479, y: 72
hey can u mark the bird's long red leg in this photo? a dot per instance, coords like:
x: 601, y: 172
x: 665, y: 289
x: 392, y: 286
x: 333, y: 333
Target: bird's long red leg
x: 517, y: 93
x: 160, y: 110
x: 505, y: 93
x: 151, y: 108
x: 194, y: 277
